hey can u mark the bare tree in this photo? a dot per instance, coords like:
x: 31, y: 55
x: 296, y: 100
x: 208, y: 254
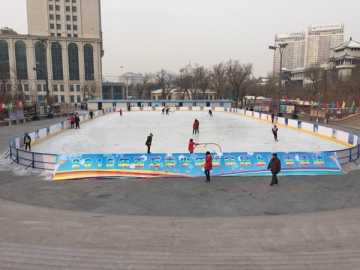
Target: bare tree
x: 219, y: 82
x: 92, y: 90
x: 165, y: 82
x: 237, y: 74
x: 204, y: 80
x: 140, y: 88
x: 184, y: 81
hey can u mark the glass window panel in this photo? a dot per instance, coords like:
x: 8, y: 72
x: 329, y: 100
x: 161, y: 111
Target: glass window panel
x: 62, y: 88
x: 4, y: 59
x: 55, y: 88
x: 89, y: 62
x: 56, y: 54
x: 73, y: 62
x: 71, y: 88
x: 21, y: 62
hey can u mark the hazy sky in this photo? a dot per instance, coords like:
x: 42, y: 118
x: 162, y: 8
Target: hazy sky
x: 150, y: 35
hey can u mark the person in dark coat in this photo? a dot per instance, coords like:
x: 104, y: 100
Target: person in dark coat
x: 208, y: 166
x: 148, y: 142
x: 272, y: 117
x: 274, y: 131
x: 275, y: 167
x: 163, y: 110
x: 91, y: 114
x: 210, y: 113
x: 77, y: 121
x: 27, y: 141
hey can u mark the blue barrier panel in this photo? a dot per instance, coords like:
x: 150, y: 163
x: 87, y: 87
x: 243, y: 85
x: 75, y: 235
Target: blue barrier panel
x: 184, y: 165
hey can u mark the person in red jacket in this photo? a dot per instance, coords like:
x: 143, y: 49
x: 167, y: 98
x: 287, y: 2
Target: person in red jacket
x: 192, y: 145
x: 120, y: 112
x: 72, y: 121
x: 208, y: 166
x: 195, y: 126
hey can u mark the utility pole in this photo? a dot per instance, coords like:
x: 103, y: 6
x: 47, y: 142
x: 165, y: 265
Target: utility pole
x: 281, y: 49
x: 45, y: 43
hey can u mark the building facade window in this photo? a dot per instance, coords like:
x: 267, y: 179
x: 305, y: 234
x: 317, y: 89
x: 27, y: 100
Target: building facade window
x: 78, y: 98
x: 57, y: 8
x: 58, y: 26
x: 52, y: 26
x: 78, y: 88
x: 62, y: 88
x: 4, y: 59
x: 40, y: 60
x: 57, y: 63
x: 68, y: 26
x: 117, y: 92
x: 58, y: 17
x: 68, y: 35
x: 72, y: 99
x: 21, y: 62
x: 75, y: 35
x: 73, y: 62
x: 58, y: 35
x: 27, y: 97
x: 67, y: 8
x: 51, y: 16
x: 89, y: 62
x: 44, y: 87
x: 51, y: 7
x: 74, y: 1
x: 74, y: 18
x: 52, y: 34
x: 68, y: 17
x: 62, y: 98
x: 107, y: 92
x: 55, y: 88
x: 19, y: 88
x: 56, y: 98
x: 75, y: 27
x: 39, y: 87
x: 26, y: 87
x: 71, y: 88
x: 73, y: 9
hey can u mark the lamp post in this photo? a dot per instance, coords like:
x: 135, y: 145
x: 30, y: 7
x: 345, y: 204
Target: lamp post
x: 281, y: 48
x: 45, y: 42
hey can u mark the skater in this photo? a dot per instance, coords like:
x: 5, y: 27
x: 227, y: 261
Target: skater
x: 251, y: 109
x: 198, y: 125
x: 275, y: 168
x: 120, y: 112
x: 75, y: 106
x: 103, y: 111
x: 274, y: 131
x: 167, y: 110
x: 208, y: 166
x: 72, y: 121
x: 91, y: 114
x: 192, y: 145
x: 210, y: 113
x: 272, y: 117
x: 27, y: 141
x: 195, y: 126
x: 77, y: 121
x: 163, y: 110
x: 148, y: 142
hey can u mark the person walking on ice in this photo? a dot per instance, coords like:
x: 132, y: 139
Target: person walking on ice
x: 275, y: 167
x: 27, y: 141
x: 77, y: 121
x: 274, y: 131
x: 163, y: 110
x: 210, y: 113
x: 195, y: 126
x: 192, y: 145
x: 148, y: 142
x: 120, y: 112
x: 167, y: 110
x: 272, y: 117
x: 208, y: 166
x: 91, y: 114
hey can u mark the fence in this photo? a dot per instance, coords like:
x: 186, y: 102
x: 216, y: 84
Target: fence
x: 46, y: 161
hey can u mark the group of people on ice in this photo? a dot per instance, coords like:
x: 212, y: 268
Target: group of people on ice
x: 165, y: 110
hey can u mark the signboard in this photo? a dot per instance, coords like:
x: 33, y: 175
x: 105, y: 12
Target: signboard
x: 324, y: 27
x: 180, y: 165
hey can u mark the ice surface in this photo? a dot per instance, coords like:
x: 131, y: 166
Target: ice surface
x: 127, y: 134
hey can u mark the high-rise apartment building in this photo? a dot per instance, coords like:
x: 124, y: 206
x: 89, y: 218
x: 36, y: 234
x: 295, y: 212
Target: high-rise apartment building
x: 293, y: 54
x: 321, y: 39
x: 65, y: 38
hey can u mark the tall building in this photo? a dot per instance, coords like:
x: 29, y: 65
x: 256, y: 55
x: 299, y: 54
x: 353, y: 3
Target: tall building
x: 65, y: 38
x: 321, y: 39
x: 293, y: 54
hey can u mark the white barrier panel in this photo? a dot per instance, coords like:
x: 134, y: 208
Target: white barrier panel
x: 342, y: 136
x: 307, y: 127
x: 292, y: 123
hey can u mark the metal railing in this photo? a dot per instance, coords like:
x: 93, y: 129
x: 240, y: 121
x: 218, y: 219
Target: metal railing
x: 348, y: 155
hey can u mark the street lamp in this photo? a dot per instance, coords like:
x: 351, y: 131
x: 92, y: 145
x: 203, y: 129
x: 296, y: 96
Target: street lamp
x: 281, y: 49
x: 44, y: 41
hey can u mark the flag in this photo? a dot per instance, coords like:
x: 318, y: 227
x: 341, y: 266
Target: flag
x: 353, y: 105
x: 319, y: 104
x: 20, y: 104
x: 304, y: 101
x: 312, y: 103
x: 53, y: 102
x: 287, y: 100
x: 298, y: 101
x: 326, y: 105
x: 332, y: 105
x: 343, y: 105
x: 337, y: 105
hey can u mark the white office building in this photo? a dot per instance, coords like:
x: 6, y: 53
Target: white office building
x: 321, y: 39
x: 65, y: 38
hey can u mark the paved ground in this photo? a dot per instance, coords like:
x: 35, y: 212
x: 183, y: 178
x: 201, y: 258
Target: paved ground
x: 37, y: 237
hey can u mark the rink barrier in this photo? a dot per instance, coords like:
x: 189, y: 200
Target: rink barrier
x: 46, y: 160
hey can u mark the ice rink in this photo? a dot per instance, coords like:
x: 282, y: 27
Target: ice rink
x: 127, y: 134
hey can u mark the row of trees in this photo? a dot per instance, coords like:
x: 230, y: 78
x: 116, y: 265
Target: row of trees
x: 234, y: 80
